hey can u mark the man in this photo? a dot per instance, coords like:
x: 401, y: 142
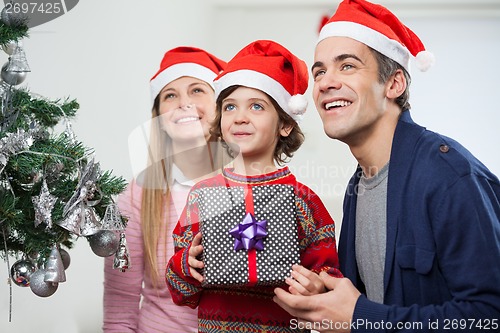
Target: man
x: 420, y: 238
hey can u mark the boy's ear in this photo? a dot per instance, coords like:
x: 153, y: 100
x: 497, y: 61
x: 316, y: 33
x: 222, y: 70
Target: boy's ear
x: 285, y: 130
x: 396, y: 85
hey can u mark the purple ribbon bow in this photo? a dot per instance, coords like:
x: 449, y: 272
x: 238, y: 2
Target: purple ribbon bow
x: 249, y: 234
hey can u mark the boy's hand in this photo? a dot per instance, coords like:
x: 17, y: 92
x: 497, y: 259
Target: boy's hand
x: 305, y: 282
x: 194, y: 251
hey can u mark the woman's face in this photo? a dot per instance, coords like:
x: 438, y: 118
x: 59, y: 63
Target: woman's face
x: 187, y: 108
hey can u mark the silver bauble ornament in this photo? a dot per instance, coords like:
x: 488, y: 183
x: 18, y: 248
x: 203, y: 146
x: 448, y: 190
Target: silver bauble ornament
x: 10, y: 46
x: 35, y: 257
x: 104, y: 243
x: 13, y: 16
x: 12, y: 78
x: 41, y: 288
x: 21, y: 272
x: 66, y: 259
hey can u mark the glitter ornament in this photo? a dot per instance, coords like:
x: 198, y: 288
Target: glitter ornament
x: 122, y: 257
x: 43, y: 204
x: 104, y: 243
x: 39, y: 286
x: 21, y: 272
x: 54, y: 269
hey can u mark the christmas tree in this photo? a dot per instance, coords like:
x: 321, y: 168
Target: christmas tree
x: 52, y: 191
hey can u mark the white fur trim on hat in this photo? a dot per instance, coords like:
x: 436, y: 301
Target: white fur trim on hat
x: 256, y: 80
x: 370, y: 37
x: 179, y: 70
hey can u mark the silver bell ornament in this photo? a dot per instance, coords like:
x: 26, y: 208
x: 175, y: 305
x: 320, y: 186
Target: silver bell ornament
x: 104, y: 243
x: 112, y: 219
x: 39, y: 286
x: 21, y: 272
x: 82, y: 221
x: 54, y: 268
x: 12, y: 78
x: 18, y: 62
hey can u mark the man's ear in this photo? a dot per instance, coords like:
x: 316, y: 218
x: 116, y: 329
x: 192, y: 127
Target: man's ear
x: 285, y: 130
x: 396, y: 84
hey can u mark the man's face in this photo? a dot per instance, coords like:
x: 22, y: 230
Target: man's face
x: 347, y: 93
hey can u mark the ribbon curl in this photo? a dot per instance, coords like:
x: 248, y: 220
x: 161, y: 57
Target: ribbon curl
x: 249, y: 234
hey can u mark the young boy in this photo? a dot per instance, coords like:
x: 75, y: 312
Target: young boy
x: 259, y: 100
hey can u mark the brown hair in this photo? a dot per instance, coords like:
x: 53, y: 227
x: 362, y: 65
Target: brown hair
x: 286, y: 146
x: 387, y: 67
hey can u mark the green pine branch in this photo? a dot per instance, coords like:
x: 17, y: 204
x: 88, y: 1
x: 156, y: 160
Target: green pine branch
x: 48, y: 113
x: 12, y: 33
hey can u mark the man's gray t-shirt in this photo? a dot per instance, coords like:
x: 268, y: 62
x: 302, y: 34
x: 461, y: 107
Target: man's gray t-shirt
x: 371, y: 232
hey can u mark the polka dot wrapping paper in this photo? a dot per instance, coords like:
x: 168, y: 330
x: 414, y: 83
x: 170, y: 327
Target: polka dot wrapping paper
x: 221, y: 209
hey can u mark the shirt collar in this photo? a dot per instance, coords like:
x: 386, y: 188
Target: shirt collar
x: 179, y: 177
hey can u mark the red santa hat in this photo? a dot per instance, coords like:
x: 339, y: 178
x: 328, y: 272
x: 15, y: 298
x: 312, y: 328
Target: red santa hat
x: 377, y: 27
x: 186, y: 61
x: 271, y: 68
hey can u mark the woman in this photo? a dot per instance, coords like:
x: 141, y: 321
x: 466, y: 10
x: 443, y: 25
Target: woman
x: 182, y: 152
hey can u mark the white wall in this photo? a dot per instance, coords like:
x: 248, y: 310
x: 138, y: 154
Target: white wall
x: 103, y: 53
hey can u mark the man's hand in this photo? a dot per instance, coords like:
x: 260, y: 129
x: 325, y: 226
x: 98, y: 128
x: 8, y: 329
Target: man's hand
x: 335, y: 306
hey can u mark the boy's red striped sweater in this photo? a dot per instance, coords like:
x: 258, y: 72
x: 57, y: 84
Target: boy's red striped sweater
x: 250, y: 309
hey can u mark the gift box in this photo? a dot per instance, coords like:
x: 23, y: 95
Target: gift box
x: 250, y: 235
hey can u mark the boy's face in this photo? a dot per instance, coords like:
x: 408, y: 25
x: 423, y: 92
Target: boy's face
x: 250, y: 121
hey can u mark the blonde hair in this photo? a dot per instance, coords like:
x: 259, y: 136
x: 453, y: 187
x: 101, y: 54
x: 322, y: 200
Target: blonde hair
x: 156, y: 190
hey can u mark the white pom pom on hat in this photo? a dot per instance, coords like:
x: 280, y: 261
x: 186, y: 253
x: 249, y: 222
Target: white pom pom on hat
x: 297, y: 104
x: 424, y: 60
x: 270, y: 67
x: 375, y: 26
